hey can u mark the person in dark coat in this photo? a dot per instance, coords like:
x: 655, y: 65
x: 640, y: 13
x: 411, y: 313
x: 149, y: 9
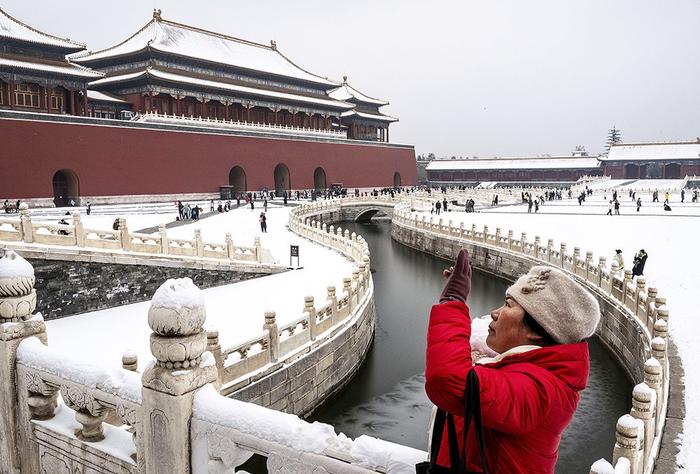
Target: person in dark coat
x: 263, y: 222
x: 640, y: 259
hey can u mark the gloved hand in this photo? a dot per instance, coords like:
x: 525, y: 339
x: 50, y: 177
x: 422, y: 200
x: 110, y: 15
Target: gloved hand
x: 459, y: 279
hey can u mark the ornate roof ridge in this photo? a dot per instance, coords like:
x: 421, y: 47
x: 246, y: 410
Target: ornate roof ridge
x: 373, y: 100
x: 39, y: 32
x: 84, y: 54
x: 672, y: 142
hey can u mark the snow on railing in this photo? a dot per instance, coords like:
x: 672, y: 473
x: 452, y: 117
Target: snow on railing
x: 76, y: 235
x: 639, y: 433
x: 154, y: 117
x: 226, y: 433
x: 276, y: 344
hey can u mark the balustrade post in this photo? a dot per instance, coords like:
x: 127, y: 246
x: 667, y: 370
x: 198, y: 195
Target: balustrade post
x: 486, y: 234
x: 198, y: 245
x: 660, y: 328
x: 498, y: 236
x: 562, y: 256
x: 333, y: 300
x: 130, y: 361
x: 510, y: 240
x: 177, y: 342
x: 258, y: 249
x: 651, y: 300
x: 124, y: 234
x: 601, y: 268
x: 629, y: 441
x: 347, y: 289
x: 368, y: 271
x: 214, y: 347
x: 589, y: 262
x: 523, y: 242
x: 641, y: 285
x: 78, y: 230
x: 643, y: 408
x: 473, y: 236
x: 310, y: 312
x: 26, y: 223
x: 230, y: 249
x: 17, y: 305
x: 537, y: 247
x: 164, y: 241
x: 550, y: 248
x: 653, y: 377
x: 273, y: 335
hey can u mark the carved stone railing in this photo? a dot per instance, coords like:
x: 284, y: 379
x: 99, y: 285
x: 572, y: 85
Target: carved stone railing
x: 154, y: 117
x: 639, y: 433
x: 274, y: 345
x: 225, y: 433
x: 76, y: 235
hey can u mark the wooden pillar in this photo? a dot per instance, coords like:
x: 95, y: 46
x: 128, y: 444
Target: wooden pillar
x: 85, y: 102
x: 247, y: 113
x: 72, y: 102
x: 11, y: 93
x: 142, y: 105
x: 387, y: 134
x: 276, y: 122
x: 294, y: 119
x: 178, y: 106
x: 48, y: 98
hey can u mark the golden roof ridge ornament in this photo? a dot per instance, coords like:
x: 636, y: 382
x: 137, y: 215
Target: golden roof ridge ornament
x: 157, y: 14
x: 273, y: 45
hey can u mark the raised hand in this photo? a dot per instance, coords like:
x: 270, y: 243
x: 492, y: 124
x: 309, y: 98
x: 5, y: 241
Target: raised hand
x: 459, y: 279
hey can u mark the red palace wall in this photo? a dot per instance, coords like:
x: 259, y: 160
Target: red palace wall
x: 113, y: 160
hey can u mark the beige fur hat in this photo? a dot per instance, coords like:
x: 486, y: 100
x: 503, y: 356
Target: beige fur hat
x: 565, y: 309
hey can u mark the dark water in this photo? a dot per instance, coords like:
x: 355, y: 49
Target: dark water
x: 386, y: 399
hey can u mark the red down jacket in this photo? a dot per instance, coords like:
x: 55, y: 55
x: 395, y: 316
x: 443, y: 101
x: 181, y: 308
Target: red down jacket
x: 527, y: 399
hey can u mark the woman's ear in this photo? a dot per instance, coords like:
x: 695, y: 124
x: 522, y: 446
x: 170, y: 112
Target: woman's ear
x: 534, y: 338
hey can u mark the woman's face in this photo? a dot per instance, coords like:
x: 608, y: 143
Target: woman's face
x: 508, y: 330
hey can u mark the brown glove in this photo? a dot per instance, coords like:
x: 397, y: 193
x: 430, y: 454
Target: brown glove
x: 459, y: 279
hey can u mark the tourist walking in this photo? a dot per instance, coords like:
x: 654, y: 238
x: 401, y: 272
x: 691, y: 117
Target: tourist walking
x: 528, y: 393
x: 620, y: 261
x: 682, y: 195
x: 610, y: 208
x: 444, y: 205
x: 617, y: 207
x: 88, y: 208
x: 265, y: 204
x: 537, y: 206
x: 639, y: 203
x: 640, y: 259
x: 263, y: 222
x: 438, y: 206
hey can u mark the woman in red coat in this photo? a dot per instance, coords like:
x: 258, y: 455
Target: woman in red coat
x: 530, y: 390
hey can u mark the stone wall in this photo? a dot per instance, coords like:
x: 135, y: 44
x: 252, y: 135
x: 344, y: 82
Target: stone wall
x: 69, y: 285
x: 302, y: 386
x: 618, y: 331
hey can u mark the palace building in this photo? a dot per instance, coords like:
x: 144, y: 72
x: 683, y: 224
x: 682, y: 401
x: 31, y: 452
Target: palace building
x: 672, y: 160
x: 177, y: 109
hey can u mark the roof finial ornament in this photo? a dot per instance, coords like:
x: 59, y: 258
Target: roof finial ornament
x: 345, y: 79
x: 273, y: 45
x: 156, y: 14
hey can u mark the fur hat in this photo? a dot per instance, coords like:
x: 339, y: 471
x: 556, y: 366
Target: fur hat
x: 565, y: 309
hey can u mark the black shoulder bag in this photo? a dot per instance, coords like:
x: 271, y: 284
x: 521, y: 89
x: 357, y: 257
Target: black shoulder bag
x: 472, y: 409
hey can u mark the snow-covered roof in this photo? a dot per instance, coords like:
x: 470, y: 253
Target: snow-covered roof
x: 183, y: 40
x: 54, y: 67
x: 347, y: 92
x: 380, y: 117
x: 10, y: 27
x: 101, y: 96
x: 654, y: 151
x: 179, y: 78
x: 558, y: 162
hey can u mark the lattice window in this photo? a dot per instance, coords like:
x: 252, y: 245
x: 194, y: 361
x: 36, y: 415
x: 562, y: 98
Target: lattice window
x: 27, y: 95
x: 57, y: 99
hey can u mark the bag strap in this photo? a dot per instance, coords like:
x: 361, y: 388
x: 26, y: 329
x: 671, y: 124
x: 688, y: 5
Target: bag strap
x: 472, y: 408
x: 436, y: 439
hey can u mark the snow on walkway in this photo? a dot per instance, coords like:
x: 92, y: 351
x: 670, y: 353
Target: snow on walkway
x: 673, y: 267
x: 236, y: 310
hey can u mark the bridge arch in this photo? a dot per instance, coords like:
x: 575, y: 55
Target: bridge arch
x: 238, y: 179
x: 320, y: 179
x: 66, y: 187
x: 282, y: 179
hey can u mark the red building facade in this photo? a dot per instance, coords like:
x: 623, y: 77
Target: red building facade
x: 210, y: 111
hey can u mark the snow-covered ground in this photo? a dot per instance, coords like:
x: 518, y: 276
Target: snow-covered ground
x: 673, y: 266
x: 236, y: 310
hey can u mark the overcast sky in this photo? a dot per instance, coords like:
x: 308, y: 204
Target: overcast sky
x: 466, y: 78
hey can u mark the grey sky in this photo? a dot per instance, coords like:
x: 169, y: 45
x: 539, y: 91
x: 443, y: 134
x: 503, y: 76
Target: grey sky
x: 488, y: 78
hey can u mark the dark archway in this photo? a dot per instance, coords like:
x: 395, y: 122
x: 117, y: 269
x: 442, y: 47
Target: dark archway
x: 66, y: 187
x: 397, y: 179
x: 237, y: 178
x: 631, y: 171
x: 672, y: 171
x: 282, y: 180
x: 319, y: 179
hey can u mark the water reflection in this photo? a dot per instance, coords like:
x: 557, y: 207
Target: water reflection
x: 386, y: 399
